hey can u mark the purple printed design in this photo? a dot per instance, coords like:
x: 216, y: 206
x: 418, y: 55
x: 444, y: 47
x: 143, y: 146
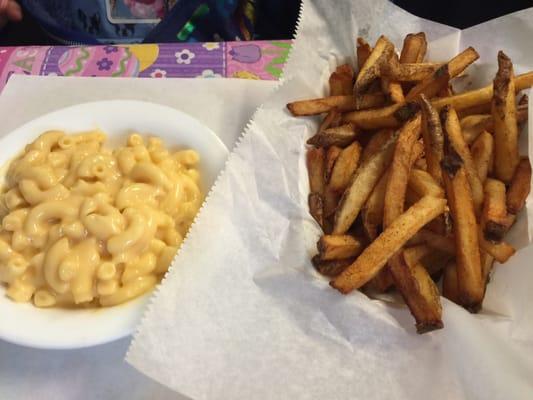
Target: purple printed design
x: 247, y: 53
x: 251, y: 60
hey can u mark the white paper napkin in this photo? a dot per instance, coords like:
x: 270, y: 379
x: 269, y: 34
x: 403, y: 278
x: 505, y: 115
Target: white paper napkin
x: 243, y: 315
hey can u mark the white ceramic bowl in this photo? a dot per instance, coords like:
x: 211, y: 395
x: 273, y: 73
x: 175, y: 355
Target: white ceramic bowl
x: 57, y: 328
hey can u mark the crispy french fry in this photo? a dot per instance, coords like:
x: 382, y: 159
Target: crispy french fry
x: 331, y: 120
x: 330, y: 200
x: 432, y: 84
x: 377, y: 140
x: 480, y: 96
x: 372, y: 212
x: 433, y: 139
x: 506, y: 156
x: 417, y: 153
x: 519, y: 187
x: 345, y: 167
x: 450, y: 287
x: 487, y: 263
x: 446, y: 91
x: 494, y: 218
x: 393, y: 90
x: 363, y: 52
x: 414, y: 48
x: 332, y: 154
x: 338, y: 247
x: 361, y: 185
x: 411, y: 72
x: 342, y: 103
x: 452, y: 130
x: 459, y: 194
x: 423, y: 184
x: 501, y: 251
x: 376, y: 255
x: 382, y: 282
x: 421, y: 295
x: 387, y: 117
x: 474, y: 110
x: 341, y: 136
x: 330, y: 268
x: 316, y: 207
x: 315, y: 166
x: 435, y: 262
x: 371, y: 69
x: 399, y: 170
x: 473, y: 125
x: 483, y: 154
x: 341, y: 81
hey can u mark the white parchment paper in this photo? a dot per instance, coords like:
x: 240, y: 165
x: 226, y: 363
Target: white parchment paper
x: 242, y: 314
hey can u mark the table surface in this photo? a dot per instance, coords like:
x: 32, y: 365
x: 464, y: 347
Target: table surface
x: 262, y: 60
x: 100, y: 372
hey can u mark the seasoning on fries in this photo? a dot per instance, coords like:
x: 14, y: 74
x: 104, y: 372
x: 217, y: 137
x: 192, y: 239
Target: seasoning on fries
x: 412, y: 182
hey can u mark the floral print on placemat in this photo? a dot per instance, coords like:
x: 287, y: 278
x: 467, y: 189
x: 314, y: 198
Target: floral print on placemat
x: 248, y: 60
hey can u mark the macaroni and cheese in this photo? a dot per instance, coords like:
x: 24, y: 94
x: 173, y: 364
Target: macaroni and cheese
x: 86, y: 225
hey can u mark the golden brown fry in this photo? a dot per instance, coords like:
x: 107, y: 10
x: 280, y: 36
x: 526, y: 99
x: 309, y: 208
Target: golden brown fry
x: 450, y: 287
x: 372, y: 212
x: 341, y: 81
x: 435, y: 262
x: 417, y: 153
x: 483, y: 154
x: 399, y: 170
x: 421, y: 295
x: 506, y: 156
x: 376, y: 255
x: 371, y: 69
x: 382, y: 282
x: 393, y: 90
x: 452, y: 130
x: 344, y: 168
x: 362, y: 183
x: 315, y: 166
x: 480, y: 96
x: 413, y: 72
x: 338, y: 247
x: 330, y: 268
x: 474, y: 110
x: 423, y: 184
x: 363, y: 52
x: 431, y: 85
x: 519, y: 187
x: 342, y: 103
x: 331, y: 157
x: 501, y: 251
x: 341, y: 136
x: 386, y: 117
x: 330, y: 201
x: 433, y: 139
x: 459, y: 194
x: 414, y: 48
x: 316, y: 207
x: 494, y: 218
x: 377, y: 140
x: 473, y: 125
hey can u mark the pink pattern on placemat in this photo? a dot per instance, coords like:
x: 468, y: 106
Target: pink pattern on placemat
x: 256, y: 60
x: 24, y: 61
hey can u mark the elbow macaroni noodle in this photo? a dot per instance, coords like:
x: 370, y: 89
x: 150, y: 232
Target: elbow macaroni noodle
x: 85, y: 225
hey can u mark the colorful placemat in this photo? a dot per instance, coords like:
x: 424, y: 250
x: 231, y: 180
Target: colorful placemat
x: 250, y: 60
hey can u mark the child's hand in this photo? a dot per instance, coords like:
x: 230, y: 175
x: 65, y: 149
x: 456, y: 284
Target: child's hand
x: 9, y: 11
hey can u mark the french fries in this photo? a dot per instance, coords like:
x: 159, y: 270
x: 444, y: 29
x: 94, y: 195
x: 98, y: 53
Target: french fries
x: 371, y: 69
x: 519, y: 187
x: 414, y: 48
x: 341, y: 135
x: 494, y: 218
x: 452, y: 128
x: 341, y: 81
x: 361, y: 185
x: 483, y: 155
x: 376, y: 255
x: 338, y: 247
x: 345, y: 167
x: 406, y: 179
x: 506, y: 155
x: 459, y: 194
